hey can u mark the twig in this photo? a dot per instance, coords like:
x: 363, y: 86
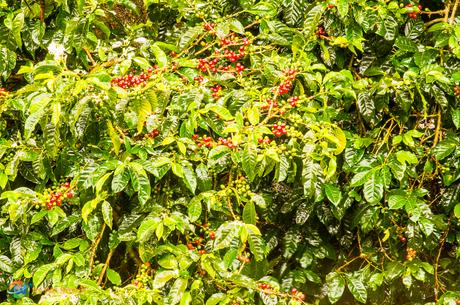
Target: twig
x: 446, y: 14
x: 94, y: 247
x: 454, y: 12
x: 438, y: 128
x: 429, y: 23
x: 93, y: 63
x: 436, y: 278
x: 104, y: 269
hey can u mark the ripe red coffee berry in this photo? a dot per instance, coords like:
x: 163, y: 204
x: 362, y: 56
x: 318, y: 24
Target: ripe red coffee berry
x: 294, y: 290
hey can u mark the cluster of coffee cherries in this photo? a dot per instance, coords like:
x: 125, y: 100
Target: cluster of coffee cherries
x: 269, y: 103
x: 297, y: 294
x: 233, y: 56
x: 320, y: 31
x: 209, y: 26
x: 132, y: 80
x: 3, y: 92
x: 205, y: 141
x: 198, y: 243
x: 216, y: 91
x: 279, y: 129
x: 143, y: 276
x: 56, y: 197
x: 457, y: 90
x: 414, y: 14
x: 410, y: 254
x: 264, y: 141
x: 284, y: 87
x: 242, y: 186
x: 227, y: 142
x: 204, y: 65
x: 286, y: 84
x: 264, y: 286
x: 199, y: 79
x: 153, y: 134
x: 293, y: 101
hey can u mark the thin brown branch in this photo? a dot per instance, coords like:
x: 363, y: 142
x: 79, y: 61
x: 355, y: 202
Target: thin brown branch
x: 88, y: 53
x: 104, y: 269
x: 438, y: 129
x: 437, y: 284
x: 430, y: 23
x: 94, y: 247
x: 454, y: 12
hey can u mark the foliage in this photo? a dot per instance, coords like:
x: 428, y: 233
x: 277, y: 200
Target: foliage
x: 229, y: 152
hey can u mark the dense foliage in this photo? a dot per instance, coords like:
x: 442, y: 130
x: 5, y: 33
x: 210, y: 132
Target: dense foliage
x: 229, y: 152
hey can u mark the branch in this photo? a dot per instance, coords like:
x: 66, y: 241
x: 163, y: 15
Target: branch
x: 104, y: 269
x: 454, y: 12
x: 94, y: 247
x: 438, y: 128
x: 436, y: 278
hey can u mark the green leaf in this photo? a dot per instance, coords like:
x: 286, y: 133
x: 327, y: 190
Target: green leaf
x: 190, y: 179
x: 406, y: 156
x: 256, y: 243
x: 249, y: 213
x: 456, y: 117
x: 444, y: 149
x: 141, y: 182
x: 89, y: 207
x: 160, y: 55
x: 263, y: 9
x: 142, y: 62
x: 457, y: 210
x: 225, y: 234
x: 357, y: 288
x: 194, y: 208
x: 342, y: 7
x: 254, y: 115
x: 114, y: 137
x: 221, y: 111
x: 41, y: 272
x: 177, y: 291
x: 373, y: 188
x: 360, y: 178
x: 177, y: 169
x: 335, y: 286
x: 168, y: 261
x: 6, y: 264
x: 38, y: 107
x: 333, y: 194
x: 107, y: 213
x: 396, y: 202
x: 120, y: 179
x: 293, y: 11
x: 113, y: 276
x: 146, y: 229
x: 249, y: 162
x: 164, y: 276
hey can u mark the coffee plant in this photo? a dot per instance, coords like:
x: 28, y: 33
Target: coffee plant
x: 229, y: 152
